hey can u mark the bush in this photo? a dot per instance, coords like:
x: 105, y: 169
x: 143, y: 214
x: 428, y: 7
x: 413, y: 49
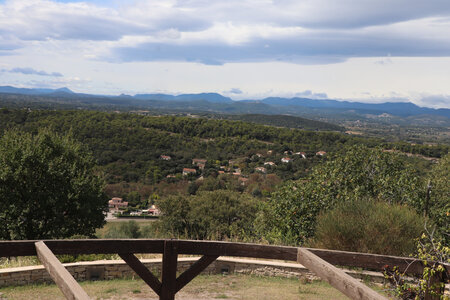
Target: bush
x: 128, y: 230
x: 368, y: 226
x: 217, y: 214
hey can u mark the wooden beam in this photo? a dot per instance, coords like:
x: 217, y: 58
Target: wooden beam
x: 237, y: 249
x: 169, y: 270
x: 194, y: 270
x: 348, y: 285
x: 341, y: 258
x: 371, y: 261
x: 142, y: 271
x: 66, y: 283
x: 83, y: 246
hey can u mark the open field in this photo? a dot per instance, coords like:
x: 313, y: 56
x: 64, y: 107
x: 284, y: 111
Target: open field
x: 202, y: 287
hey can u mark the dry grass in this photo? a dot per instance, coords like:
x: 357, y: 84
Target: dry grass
x: 20, y: 261
x: 202, y: 287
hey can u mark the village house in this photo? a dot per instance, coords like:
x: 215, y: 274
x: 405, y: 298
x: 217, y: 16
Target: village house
x: 270, y: 163
x: 286, y: 160
x: 261, y: 169
x: 201, y: 166
x: 321, y: 153
x: 116, y: 203
x: 243, y: 180
x: 165, y: 157
x: 302, y: 154
x: 187, y: 171
x: 199, y: 161
x: 152, y: 211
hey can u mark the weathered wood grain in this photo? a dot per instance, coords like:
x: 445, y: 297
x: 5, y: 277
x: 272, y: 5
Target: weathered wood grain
x: 66, y: 283
x: 87, y: 246
x: 237, y: 249
x: 169, y: 270
x: 369, y: 261
x: 348, y: 285
x: 340, y: 258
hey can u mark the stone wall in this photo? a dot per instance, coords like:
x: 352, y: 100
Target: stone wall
x: 112, y: 269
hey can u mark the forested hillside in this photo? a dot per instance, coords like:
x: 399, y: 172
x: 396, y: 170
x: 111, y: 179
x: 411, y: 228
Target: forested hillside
x: 285, y: 121
x: 128, y: 148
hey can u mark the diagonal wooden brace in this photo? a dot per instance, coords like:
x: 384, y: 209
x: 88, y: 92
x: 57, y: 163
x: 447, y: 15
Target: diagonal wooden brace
x: 66, y: 283
x: 194, y: 270
x: 142, y: 271
x: 348, y: 285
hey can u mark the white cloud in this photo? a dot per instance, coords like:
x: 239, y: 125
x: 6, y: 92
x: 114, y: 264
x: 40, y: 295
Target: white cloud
x: 228, y: 31
x: 263, y: 47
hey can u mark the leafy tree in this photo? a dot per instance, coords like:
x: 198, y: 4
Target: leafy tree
x: 133, y: 198
x: 174, y: 214
x: 48, y: 188
x: 208, y: 214
x: 222, y: 214
x: 438, y: 208
x: 358, y: 172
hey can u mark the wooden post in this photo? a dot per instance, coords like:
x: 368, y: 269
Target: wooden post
x: 66, y: 283
x: 169, y: 270
x: 348, y: 285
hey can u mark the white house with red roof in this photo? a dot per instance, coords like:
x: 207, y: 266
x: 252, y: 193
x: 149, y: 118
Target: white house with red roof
x: 286, y: 160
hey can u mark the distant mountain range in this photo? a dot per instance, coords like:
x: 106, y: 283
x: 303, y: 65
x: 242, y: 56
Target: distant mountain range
x: 24, y: 91
x: 214, y: 102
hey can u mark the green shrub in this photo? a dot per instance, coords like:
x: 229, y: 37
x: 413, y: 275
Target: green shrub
x: 368, y: 226
x: 128, y: 229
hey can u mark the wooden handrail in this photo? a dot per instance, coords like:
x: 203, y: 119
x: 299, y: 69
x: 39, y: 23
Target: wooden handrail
x: 191, y: 247
x: 320, y: 261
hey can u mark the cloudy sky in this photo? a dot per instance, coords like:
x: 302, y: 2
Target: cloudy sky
x: 365, y: 50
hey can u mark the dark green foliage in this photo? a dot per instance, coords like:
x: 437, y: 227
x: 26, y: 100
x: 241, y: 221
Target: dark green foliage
x: 48, y: 188
x: 368, y: 226
x: 285, y: 121
x: 128, y: 230
x: 174, y: 218
x: 216, y: 214
x: 355, y: 173
x: 438, y: 208
x: 128, y: 146
x: 221, y: 214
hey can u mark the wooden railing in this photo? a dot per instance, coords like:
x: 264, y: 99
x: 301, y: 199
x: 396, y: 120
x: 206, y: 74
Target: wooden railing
x: 320, y: 261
